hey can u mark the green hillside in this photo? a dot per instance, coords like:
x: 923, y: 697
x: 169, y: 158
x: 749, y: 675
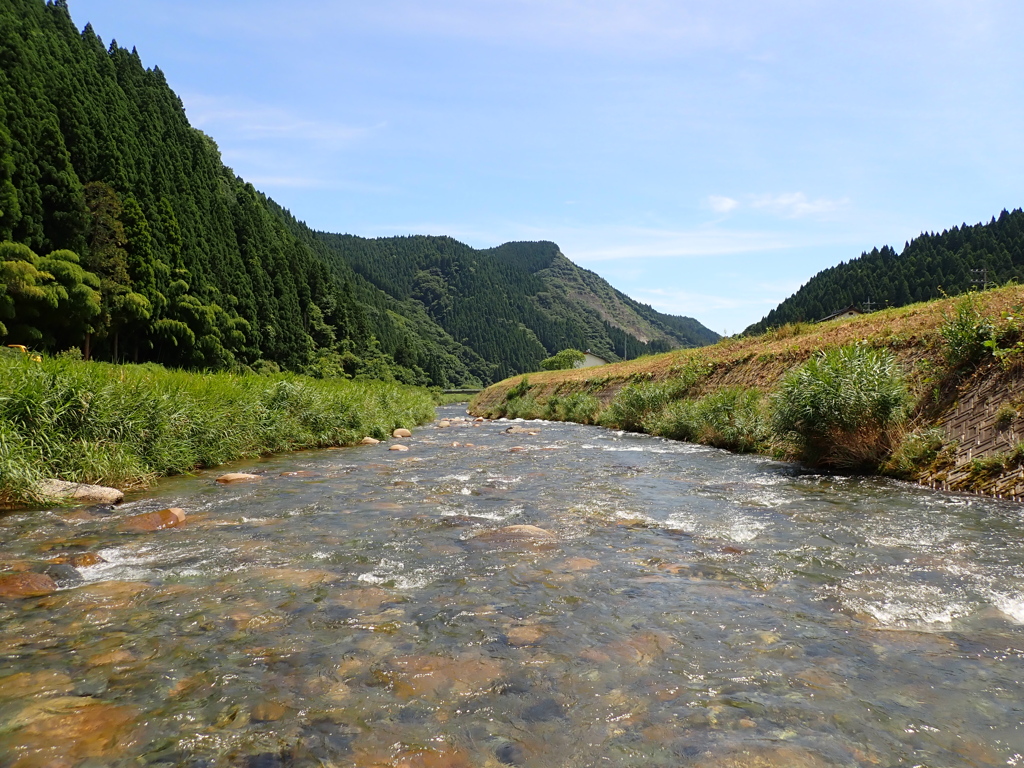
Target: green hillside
x: 929, y: 266
x: 123, y: 233
x: 515, y: 304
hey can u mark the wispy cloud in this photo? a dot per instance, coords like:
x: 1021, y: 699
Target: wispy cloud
x: 722, y: 204
x: 678, y: 302
x: 258, y: 122
x: 787, y: 205
x: 637, y: 243
x: 796, y: 205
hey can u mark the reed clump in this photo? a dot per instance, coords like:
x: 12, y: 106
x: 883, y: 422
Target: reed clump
x: 844, y: 408
x: 126, y: 425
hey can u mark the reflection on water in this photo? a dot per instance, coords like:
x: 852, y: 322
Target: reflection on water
x: 695, y: 608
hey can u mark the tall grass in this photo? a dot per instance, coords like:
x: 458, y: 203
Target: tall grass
x: 125, y: 425
x: 734, y: 418
x: 844, y: 407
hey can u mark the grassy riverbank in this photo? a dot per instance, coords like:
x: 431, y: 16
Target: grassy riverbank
x: 126, y: 425
x: 932, y: 392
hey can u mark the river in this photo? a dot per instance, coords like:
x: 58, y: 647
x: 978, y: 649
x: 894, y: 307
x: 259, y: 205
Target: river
x: 362, y: 607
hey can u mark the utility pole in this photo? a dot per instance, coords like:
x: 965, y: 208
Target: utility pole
x: 868, y: 304
x: 980, y: 277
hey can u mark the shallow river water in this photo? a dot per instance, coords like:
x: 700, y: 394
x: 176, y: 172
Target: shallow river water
x: 361, y: 607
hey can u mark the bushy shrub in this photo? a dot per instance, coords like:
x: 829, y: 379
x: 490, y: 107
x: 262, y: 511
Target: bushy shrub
x: 578, y: 407
x: 843, y: 408
x: 733, y: 418
x: 564, y: 360
x: 917, y: 451
x: 635, y: 403
x: 965, y: 332
x: 525, y: 407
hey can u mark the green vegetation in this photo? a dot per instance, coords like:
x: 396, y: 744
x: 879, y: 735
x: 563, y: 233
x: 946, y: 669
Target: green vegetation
x: 843, y: 408
x: 564, y: 360
x: 512, y: 306
x: 125, y: 425
x: 929, y: 267
x: 734, y: 418
x: 578, y: 407
x: 127, y: 236
x: 965, y: 332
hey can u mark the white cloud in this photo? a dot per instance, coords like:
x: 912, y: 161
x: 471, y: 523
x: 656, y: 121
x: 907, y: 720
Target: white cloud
x: 682, y: 302
x: 795, y: 205
x: 257, y: 122
x: 722, y: 204
x: 640, y: 243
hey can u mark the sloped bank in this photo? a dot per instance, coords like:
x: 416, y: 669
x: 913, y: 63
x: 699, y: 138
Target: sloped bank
x: 962, y: 360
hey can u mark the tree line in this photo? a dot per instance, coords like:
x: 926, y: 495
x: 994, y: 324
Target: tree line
x: 929, y: 266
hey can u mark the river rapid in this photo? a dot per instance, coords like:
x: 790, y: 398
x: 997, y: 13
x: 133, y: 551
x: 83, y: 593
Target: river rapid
x: 362, y: 607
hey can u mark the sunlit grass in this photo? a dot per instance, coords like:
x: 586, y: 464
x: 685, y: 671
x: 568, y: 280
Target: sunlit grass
x: 125, y: 425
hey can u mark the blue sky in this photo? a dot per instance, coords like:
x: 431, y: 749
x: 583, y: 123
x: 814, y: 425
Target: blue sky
x: 706, y: 157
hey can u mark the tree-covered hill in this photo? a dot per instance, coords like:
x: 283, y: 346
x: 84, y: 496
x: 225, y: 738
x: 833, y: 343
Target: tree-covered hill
x: 515, y: 304
x: 124, y: 234
x: 928, y: 267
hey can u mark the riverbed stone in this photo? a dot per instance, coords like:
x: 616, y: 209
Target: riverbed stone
x: 14, y: 586
x: 66, y: 730
x: 53, y: 490
x: 238, y: 477
x: 401, y: 432
x: 398, y: 447
x: 757, y: 756
x: 369, y: 441
x: 512, y: 536
x: 148, y: 522
x: 529, y: 634
x: 269, y: 711
x: 443, y: 423
x: 517, y: 430
x: 80, y: 560
x: 45, y: 682
x: 416, y: 676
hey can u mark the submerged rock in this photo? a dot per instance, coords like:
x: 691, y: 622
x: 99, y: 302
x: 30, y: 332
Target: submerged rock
x: 515, y: 536
x: 369, y: 441
x: 444, y: 423
x: 68, y: 729
x: 83, y: 560
x: 397, y: 447
x: 61, y: 490
x: 517, y: 430
x: 153, y: 521
x: 401, y: 432
x: 238, y: 477
x: 14, y: 586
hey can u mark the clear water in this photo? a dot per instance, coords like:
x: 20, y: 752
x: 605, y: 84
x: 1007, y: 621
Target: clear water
x: 697, y: 608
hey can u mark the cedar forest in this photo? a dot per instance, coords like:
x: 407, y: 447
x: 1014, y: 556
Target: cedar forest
x: 122, y: 233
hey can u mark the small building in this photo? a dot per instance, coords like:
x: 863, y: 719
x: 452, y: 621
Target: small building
x: 851, y: 311
x: 590, y: 360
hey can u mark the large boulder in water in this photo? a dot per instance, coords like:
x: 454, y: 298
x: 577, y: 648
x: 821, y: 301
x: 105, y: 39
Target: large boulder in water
x: 153, y: 521
x: 56, y: 491
x: 401, y: 432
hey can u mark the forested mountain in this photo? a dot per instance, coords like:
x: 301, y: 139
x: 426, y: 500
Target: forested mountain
x: 928, y: 267
x: 515, y: 304
x: 124, y: 234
